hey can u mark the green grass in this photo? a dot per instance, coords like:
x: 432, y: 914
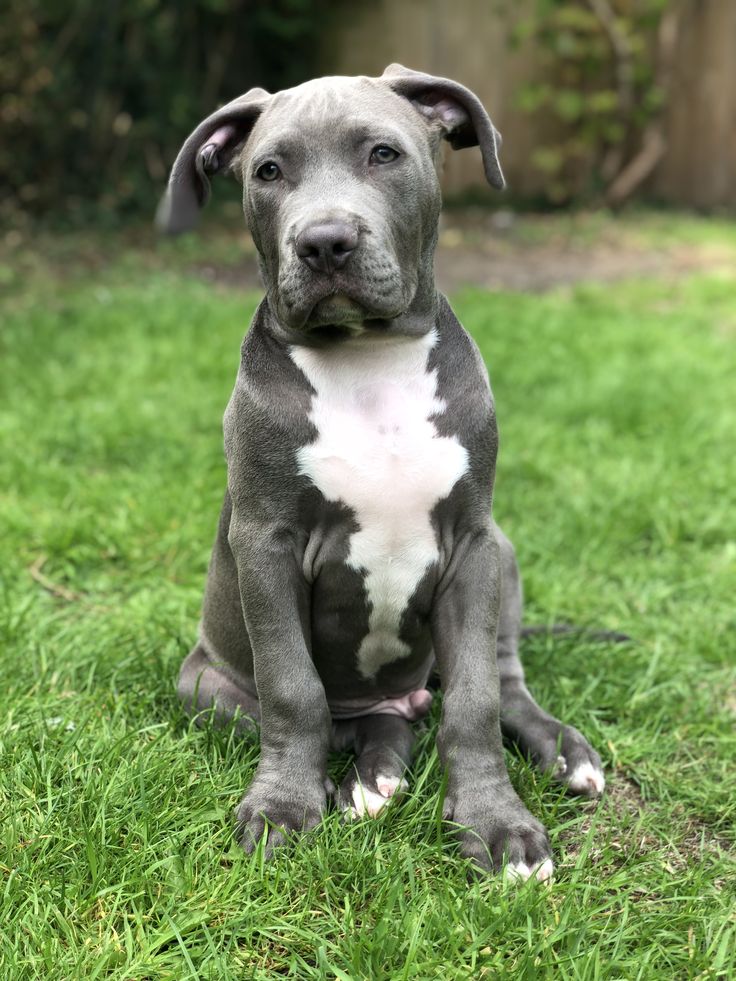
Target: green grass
x: 616, y: 482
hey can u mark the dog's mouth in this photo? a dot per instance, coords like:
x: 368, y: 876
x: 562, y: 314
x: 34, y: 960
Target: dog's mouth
x: 334, y: 332
x: 338, y: 332
x: 336, y: 309
x: 340, y: 316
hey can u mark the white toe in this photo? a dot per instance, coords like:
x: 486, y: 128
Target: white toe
x: 544, y: 871
x: 367, y: 801
x: 520, y: 871
x: 587, y: 779
x: 388, y: 786
x: 517, y: 871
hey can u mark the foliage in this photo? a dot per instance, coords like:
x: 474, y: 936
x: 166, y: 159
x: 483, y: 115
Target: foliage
x: 600, y: 87
x: 98, y: 96
x: 616, y: 411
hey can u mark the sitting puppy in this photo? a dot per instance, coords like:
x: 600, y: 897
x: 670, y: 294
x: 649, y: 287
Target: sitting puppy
x: 356, y: 553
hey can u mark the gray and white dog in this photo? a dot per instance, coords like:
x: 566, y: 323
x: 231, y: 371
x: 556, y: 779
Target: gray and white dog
x: 356, y: 553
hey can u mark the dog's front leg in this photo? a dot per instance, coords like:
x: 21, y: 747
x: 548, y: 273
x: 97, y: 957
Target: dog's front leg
x: 288, y: 792
x: 492, y: 821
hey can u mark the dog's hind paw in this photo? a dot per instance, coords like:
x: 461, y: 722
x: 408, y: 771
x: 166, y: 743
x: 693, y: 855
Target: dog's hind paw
x: 572, y: 762
x: 586, y: 779
x: 357, y: 799
x: 520, y: 871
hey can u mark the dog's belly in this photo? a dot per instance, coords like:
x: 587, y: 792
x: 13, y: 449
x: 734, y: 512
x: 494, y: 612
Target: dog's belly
x: 377, y: 451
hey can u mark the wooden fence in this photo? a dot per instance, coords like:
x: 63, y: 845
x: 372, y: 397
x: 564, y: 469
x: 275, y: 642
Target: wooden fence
x: 470, y: 40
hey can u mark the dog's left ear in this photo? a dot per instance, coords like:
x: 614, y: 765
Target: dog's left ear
x: 207, y: 151
x: 457, y: 110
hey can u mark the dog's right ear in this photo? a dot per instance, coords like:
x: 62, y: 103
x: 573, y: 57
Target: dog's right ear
x: 208, y: 150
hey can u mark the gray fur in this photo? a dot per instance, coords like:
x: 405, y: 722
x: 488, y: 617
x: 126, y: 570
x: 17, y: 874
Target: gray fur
x: 284, y: 611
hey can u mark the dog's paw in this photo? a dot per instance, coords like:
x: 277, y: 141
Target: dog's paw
x: 376, y: 779
x: 497, y: 832
x: 275, y: 813
x: 357, y: 799
x: 586, y: 780
x: 578, y: 766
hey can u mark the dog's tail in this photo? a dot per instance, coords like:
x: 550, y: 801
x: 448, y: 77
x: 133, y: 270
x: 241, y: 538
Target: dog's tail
x: 565, y: 629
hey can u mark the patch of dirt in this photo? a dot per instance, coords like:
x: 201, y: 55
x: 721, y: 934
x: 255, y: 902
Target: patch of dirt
x: 622, y: 804
x: 494, y: 251
x: 534, y: 269
x: 617, y: 828
x: 478, y: 247
x: 501, y: 250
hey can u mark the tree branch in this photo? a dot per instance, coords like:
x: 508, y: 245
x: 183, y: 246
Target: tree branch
x: 654, y: 142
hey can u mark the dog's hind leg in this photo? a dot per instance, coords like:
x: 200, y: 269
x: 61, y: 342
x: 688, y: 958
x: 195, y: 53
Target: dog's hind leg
x: 383, y: 746
x: 548, y: 742
x: 203, y: 684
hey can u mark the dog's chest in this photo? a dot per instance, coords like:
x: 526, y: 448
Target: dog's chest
x: 377, y: 451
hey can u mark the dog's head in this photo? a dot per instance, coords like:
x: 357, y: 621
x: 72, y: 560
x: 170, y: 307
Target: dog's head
x: 340, y: 189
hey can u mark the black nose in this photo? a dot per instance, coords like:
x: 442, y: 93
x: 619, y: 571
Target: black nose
x: 325, y: 247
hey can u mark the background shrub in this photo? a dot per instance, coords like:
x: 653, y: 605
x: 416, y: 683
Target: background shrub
x: 98, y: 96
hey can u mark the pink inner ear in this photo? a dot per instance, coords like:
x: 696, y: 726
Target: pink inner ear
x: 449, y: 112
x: 222, y: 136
x: 207, y: 159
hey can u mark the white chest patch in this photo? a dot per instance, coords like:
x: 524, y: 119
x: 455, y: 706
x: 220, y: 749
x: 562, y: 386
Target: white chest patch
x: 378, y: 452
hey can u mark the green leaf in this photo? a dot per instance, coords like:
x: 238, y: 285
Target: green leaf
x: 569, y: 104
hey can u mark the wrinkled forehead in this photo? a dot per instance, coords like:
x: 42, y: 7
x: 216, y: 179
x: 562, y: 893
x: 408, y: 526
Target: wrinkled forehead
x: 333, y: 107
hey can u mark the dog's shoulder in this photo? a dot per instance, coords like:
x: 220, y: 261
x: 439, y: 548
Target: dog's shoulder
x: 462, y: 376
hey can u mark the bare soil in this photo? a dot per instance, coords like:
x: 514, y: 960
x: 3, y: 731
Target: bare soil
x: 502, y: 250
x: 477, y: 247
x: 474, y: 251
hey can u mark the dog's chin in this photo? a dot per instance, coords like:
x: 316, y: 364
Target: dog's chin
x: 337, y: 310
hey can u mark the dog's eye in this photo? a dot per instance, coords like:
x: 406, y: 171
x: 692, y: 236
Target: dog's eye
x: 268, y: 171
x: 383, y: 154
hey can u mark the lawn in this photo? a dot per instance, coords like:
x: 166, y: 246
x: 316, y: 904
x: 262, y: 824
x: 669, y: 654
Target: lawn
x: 617, y: 409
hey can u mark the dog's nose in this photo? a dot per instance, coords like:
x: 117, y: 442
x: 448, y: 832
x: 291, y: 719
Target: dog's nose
x: 325, y: 247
